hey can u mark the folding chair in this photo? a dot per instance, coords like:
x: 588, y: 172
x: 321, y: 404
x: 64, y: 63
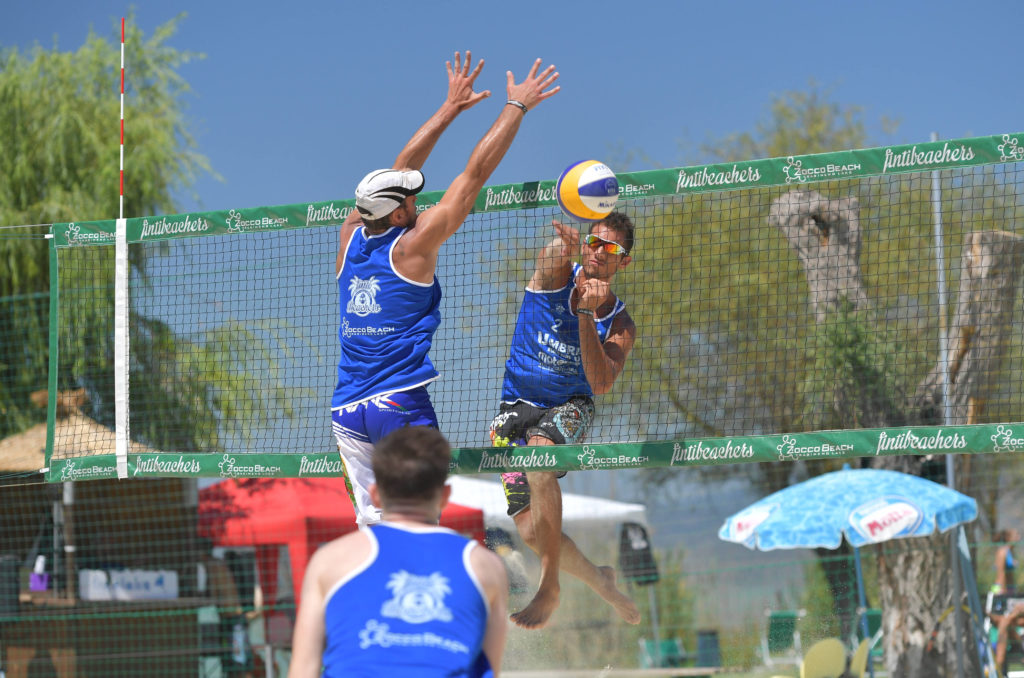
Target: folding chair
x: 825, y: 659
x: 859, y: 659
x: 780, y: 642
x: 666, y: 654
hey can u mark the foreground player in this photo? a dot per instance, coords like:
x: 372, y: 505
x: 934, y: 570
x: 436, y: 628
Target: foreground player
x: 403, y: 597
x: 390, y: 299
x: 571, y: 341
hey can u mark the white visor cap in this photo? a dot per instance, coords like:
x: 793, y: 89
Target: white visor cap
x: 381, y: 191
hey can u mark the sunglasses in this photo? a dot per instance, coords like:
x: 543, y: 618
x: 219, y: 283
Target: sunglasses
x: 609, y: 246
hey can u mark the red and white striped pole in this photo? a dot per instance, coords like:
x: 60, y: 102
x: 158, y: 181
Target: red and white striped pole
x: 121, y: 306
x: 121, y: 213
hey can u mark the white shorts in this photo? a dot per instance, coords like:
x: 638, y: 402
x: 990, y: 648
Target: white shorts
x: 357, y: 429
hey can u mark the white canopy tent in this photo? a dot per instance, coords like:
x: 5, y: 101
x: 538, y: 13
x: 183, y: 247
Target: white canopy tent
x: 578, y: 511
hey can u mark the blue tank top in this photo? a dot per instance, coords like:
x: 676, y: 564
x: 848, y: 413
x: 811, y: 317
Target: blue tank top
x: 545, y: 366
x: 387, y: 322
x: 414, y: 608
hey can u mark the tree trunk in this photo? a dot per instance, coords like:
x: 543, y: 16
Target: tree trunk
x: 990, y: 271
x: 919, y: 641
x: 915, y: 581
x: 826, y: 236
x: 976, y: 343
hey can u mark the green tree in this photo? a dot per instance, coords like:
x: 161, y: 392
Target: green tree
x: 59, y: 146
x: 798, y: 122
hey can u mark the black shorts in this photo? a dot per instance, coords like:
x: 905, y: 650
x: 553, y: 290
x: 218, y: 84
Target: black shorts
x: 517, y: 422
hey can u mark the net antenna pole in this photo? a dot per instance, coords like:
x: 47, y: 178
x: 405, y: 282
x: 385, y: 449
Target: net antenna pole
x: 121, y: 307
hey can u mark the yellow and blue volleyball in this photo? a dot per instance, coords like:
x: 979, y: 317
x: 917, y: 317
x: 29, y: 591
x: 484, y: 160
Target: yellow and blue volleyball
x: 587, y: 190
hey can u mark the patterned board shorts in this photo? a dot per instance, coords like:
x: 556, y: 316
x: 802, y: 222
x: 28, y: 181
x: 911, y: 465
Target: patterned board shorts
x: 517, y: 422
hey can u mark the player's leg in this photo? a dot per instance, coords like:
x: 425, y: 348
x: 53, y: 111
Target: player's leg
x: 540, y: 525
x: 356, y: 454
x: 357, y: 429
x: 535, y: 502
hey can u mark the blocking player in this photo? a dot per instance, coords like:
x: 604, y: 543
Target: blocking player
x: 390, y: 299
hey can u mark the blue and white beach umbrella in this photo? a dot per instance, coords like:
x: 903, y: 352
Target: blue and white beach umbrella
x: 867, y: 506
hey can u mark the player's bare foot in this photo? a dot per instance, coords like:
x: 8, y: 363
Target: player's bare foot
x: 623, y: 605
x: 536, y: 614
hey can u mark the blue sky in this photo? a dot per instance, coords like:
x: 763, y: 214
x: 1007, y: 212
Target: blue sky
x: 296, y: 101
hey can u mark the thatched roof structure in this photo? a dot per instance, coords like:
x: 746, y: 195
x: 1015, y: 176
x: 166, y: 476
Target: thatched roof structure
x: 76, y: 436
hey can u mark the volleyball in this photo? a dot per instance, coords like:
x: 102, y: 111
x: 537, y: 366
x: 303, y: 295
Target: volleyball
x: 587, y: 190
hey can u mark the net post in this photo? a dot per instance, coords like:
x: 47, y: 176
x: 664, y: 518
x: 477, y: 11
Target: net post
x: 54, y: 362
x: 121, y: 347
x: 121, y: 306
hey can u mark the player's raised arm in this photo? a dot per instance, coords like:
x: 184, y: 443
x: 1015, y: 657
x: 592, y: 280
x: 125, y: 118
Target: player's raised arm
x: 554, y: 260
x: 438, y: 223
x: 461, y: 97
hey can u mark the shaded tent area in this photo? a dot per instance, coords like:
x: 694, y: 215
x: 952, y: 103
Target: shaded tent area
x: 299, y: 513
x: 144, y: 525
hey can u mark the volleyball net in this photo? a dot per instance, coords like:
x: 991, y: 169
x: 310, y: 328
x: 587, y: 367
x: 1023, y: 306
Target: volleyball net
x: 847, y: 304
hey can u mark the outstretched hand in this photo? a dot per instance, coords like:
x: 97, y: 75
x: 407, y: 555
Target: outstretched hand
x: 531, y: 91
x: 570, y: 238
x: 460, y: 83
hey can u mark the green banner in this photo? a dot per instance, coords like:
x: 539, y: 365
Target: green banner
x: 973, y: 439
x: 792, y: 171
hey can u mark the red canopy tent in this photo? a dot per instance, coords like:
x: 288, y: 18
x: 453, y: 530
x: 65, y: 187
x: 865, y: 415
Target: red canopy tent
x: 301, y: 513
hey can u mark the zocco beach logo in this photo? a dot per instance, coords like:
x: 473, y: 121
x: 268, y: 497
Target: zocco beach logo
x: 237, y: 224
x: 792, y: 170
x: 590, y: 461
x: 1010, y: 149
x: 78, y: 237
x: 796, y: 172
x: 1003, y: 440
x: 790, y: 451
x: 635, y: 190
x: 229, y: 468
x: 71, y: 472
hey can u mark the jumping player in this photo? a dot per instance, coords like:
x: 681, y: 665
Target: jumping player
x: 570, y: 342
